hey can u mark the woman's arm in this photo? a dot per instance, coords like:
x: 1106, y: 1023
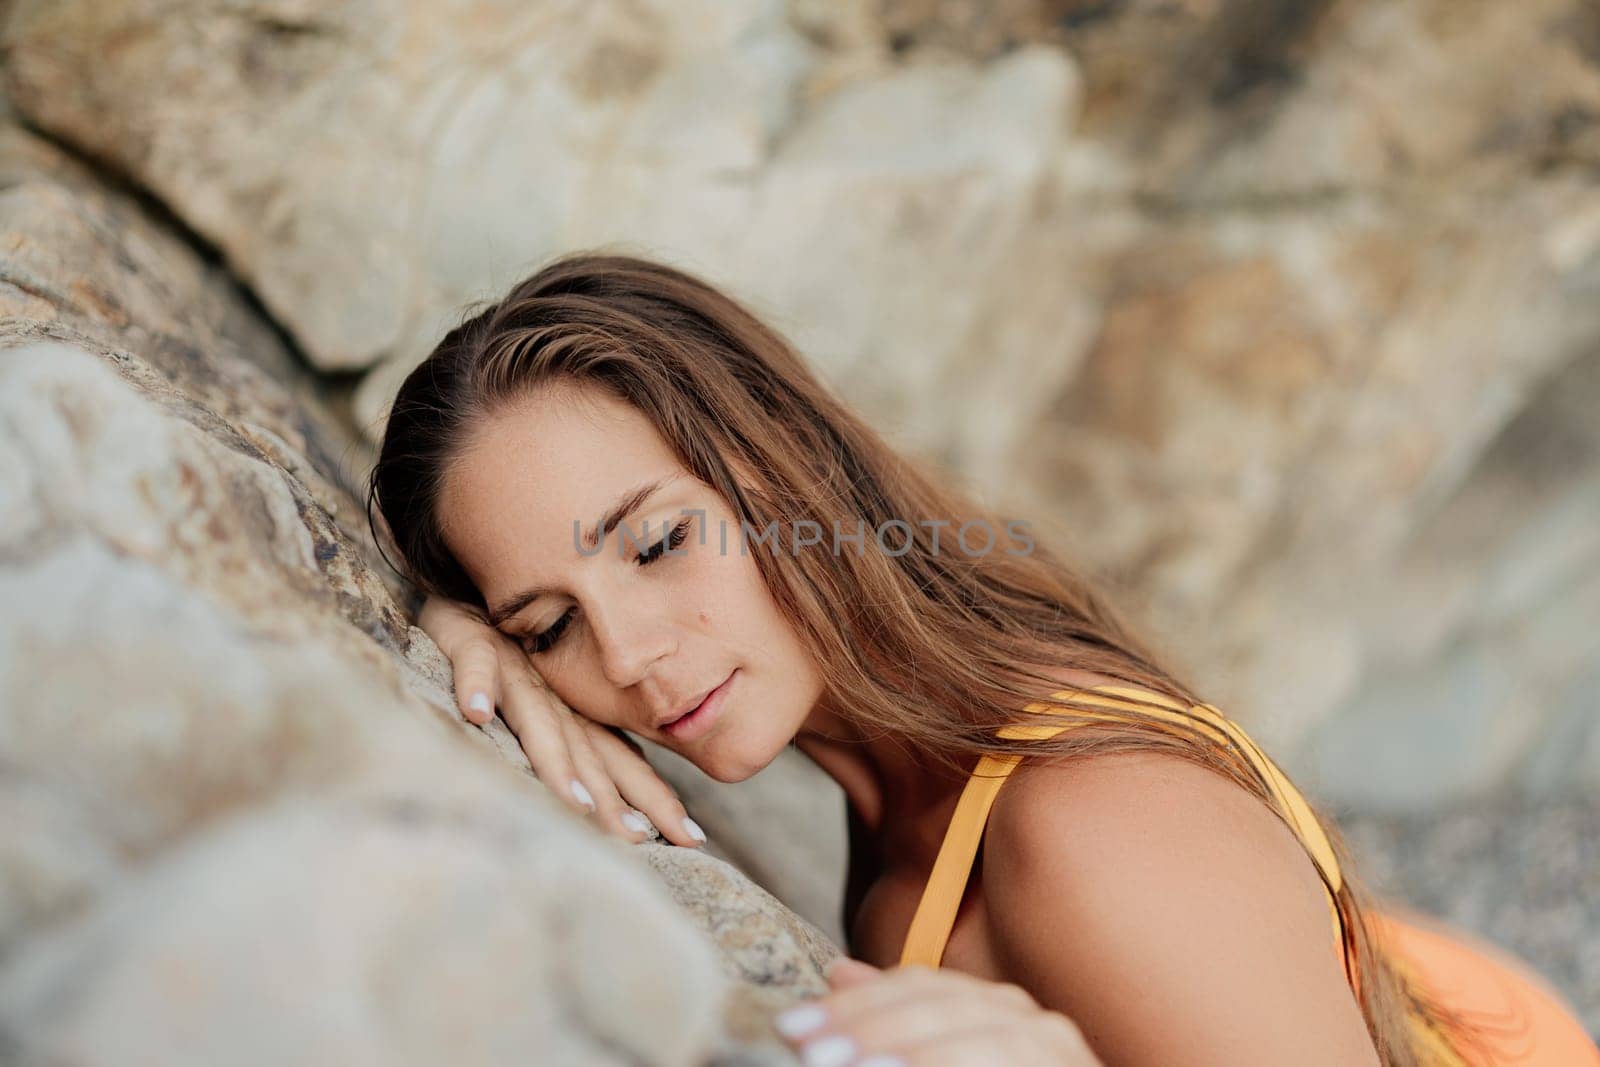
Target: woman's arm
x: 1169, y: 913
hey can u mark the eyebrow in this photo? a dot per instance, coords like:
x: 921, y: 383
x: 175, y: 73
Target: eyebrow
x: 620, y: 509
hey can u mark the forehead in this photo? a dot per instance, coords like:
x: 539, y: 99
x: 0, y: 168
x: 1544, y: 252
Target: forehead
x: 533, y: 467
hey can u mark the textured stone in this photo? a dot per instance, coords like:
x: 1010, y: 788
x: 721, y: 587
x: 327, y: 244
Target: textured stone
x: 785, y: 828
x: 397, y: 927
x: 168, y: 747
x: 1281, y: 317
x: 1299, y: 441
x: 232, y: 775
x: 614, y: 112
x: 773, y: 953
x: 1241, y: 302
x: 1520, y: 871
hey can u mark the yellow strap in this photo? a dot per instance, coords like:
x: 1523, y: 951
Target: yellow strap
x: 941, y: 897
x: 1291, y: 805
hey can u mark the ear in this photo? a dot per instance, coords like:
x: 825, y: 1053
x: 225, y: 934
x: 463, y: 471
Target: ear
x: 845, y: 972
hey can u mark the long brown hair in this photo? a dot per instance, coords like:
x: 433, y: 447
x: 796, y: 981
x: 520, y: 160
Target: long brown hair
x: 937, y: 646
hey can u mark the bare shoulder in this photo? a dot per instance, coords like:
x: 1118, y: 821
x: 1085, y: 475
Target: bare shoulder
x: 1115, y: 807
x: 1168, y: 911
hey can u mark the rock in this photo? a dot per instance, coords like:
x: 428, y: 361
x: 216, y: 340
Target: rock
x: 85, y: 265
x: 1243, y: 304
x: 915, y: 185
x: 151, y: 744
x: 791, y: 801
x: 1280, y: 318
x: 1297, y: 477
x: 1342, y: 259
x: 397, y: 927
x: 773, y: 953
x: 1485, y: 654
x: 1520, y: 870
x: 229, y: 762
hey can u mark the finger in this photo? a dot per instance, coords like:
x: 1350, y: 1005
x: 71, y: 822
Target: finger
x: 932, y: 1013
x: 909, y: 988
x: 535, y: 715
x: 836, y: 1012
x: 444, y: 620
x: 627, y: 739
x: 909, y: 1022
x: 641, y: 787
x: 1051, y: 1039
x: 614, y: 814
x: 930, y: 1020
x: 845, y: 973
x: 984, y: 1045
x: 865, y: 995
x: 475, y: 665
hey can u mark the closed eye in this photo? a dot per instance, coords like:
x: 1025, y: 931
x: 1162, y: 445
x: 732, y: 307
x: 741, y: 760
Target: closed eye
x: 545, y: 640
x: 672, y: 540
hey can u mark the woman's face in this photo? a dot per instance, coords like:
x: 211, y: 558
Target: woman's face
x: 623, y: 639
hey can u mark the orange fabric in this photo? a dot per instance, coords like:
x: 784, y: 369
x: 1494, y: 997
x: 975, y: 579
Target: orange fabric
x: 1528, y: 1023
x: 1523, y: 1021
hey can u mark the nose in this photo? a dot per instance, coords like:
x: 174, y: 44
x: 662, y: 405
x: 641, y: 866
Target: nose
x: 631, y: 638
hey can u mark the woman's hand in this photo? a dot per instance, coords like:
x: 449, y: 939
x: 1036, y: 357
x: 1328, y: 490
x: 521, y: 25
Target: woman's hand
x: 594, y: 768
x: 917, y: 1016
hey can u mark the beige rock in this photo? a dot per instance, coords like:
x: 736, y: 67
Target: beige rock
x: 785, y: 828
x: 157, y: 715
x: 1236, y: 300
x: 895, y: 207
x: 393, y: 926
x: 412, y: 129
x: 227, y: 761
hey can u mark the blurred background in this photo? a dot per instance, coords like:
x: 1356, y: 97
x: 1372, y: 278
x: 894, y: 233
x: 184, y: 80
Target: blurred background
x: 1282, y: 318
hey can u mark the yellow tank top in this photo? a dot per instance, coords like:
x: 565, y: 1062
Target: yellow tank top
x: 936, y: 911
x: 941, y: 897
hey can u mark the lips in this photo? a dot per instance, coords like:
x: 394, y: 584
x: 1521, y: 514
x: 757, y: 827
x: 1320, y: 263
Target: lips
x: 703, y: 715
x: 689, y: 709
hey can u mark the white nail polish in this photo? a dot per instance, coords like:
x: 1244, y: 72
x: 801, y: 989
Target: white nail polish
x: 834, y: 1051
x: 480, y: 702
x: 583, y: 795
x: 802, y: 1020
x: 636, y: 822
x: 692, y: 828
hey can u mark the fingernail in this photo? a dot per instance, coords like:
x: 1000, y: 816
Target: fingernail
x: 692, y: 828
x: 881, y: 1060
x: 834, y: 1051
x: 480, y: 702
x: 583, y: 795
x: 802, y: 1020
x: 636, y: 822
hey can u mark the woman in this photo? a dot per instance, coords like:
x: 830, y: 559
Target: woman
x: 634, y: 507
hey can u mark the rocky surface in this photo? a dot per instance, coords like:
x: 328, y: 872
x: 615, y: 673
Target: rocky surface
x: 1522, y: 872
x: 243, y: 820
x: 1281, y: 317
x: 785, y: 828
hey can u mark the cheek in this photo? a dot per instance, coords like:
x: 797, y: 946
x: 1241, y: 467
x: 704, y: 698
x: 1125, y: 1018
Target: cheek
x: 732, y: 598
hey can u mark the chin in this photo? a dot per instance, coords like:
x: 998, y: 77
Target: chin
x: 737, y: 767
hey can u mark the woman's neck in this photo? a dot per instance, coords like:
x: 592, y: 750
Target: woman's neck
x: 885, y: 779
x: 888, y: 780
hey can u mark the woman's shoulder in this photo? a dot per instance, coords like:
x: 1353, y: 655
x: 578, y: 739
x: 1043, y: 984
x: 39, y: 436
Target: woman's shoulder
x: 1113, y: 805
x: 1171, y: 884
x: 1051, y: 798
x: 1157, y: 792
